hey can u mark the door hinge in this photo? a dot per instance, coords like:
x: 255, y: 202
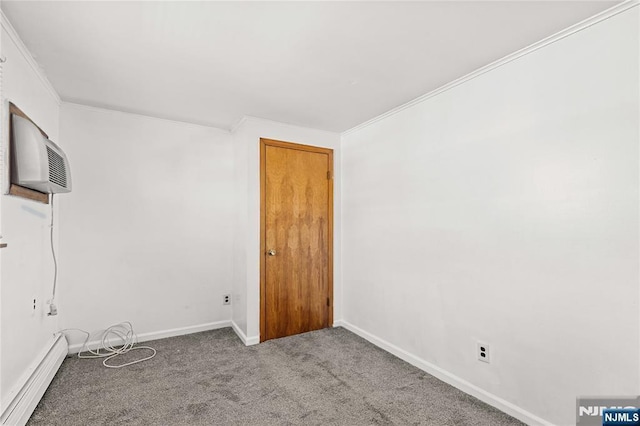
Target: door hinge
x: 328, y: 302
x: 329, y: 174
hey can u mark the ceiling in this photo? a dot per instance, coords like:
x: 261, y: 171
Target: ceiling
x: 326, y: 65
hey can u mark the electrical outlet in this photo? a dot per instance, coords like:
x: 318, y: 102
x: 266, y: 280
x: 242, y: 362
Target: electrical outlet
x: 226, y: 299
x: 34, y: 304
x: 483, y: 352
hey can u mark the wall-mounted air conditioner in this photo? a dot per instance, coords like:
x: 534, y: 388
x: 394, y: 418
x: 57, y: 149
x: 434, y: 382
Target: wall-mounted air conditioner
x: 38, y: 163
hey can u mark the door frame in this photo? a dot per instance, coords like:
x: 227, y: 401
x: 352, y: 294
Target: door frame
x: 264, y: 142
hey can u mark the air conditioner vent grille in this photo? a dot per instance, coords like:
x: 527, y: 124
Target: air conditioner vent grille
x: 57, y: 171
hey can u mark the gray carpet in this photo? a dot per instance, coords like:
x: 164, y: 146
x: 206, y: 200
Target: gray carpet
x: 327, y: 377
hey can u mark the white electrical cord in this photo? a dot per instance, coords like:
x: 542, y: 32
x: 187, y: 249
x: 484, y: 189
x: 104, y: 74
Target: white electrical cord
x: 126, y: 343
x: 53, y: 310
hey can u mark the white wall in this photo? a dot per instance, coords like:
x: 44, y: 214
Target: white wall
x: 246, y: 263
x: 146, y: 234
x: 505, y: 210
x: 26, y: 266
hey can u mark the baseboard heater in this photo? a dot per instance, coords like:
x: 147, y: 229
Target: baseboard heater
x: 21, y: 406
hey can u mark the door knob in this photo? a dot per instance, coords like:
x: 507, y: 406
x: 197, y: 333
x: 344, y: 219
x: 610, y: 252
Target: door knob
x: 271, y: 252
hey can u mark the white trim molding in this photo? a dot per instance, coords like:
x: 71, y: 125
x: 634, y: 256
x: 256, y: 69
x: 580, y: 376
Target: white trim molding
x: 447, y: 377
x: 339, y: 323
x: 602, y: 16
x: 6, y: 24
x: 25, y: 399
x: 162, y: 334
x: 248, y: 341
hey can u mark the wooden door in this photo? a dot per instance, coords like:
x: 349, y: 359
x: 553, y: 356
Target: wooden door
x: 296, y: 265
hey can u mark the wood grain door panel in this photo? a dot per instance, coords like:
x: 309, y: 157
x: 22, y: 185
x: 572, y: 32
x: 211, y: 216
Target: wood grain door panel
x: 297, y: 222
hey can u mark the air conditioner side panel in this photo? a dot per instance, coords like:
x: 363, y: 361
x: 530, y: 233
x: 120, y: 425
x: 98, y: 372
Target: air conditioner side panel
x: 29, y: 154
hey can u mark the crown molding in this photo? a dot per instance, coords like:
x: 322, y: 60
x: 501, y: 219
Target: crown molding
x: 602, y: 16
x: 15, y: 38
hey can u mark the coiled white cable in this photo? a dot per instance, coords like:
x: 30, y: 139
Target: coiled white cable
x: 126, y: 340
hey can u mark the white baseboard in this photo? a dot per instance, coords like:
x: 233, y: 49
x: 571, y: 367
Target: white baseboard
x: 162, y: 334
x: 248, y: 341
x: 471, y: 389
x: 21, y: 406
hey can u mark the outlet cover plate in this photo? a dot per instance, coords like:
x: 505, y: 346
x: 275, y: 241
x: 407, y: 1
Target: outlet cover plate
x: 484, y: 352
